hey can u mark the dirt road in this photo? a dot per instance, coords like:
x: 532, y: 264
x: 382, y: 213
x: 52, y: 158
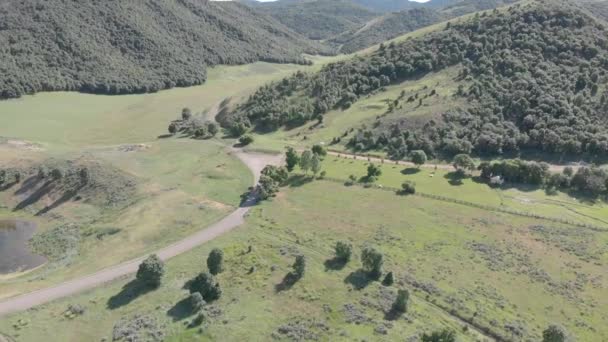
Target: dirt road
x: 254, y: 161
x: 552, y: 167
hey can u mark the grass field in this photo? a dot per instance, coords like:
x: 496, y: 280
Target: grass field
x: 182, y: 185
x: 505, y: 273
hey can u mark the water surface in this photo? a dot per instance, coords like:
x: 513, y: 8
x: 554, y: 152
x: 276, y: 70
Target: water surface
x: 15, y: 253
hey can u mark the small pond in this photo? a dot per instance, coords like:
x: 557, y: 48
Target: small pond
x: 15, y: 254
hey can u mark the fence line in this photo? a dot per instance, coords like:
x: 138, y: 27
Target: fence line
x: 475, y: 205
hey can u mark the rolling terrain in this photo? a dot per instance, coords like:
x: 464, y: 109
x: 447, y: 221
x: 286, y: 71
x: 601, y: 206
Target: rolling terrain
x: 435, y: 187
x: 133, y: 46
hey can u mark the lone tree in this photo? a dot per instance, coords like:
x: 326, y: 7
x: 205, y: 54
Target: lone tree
x: 215, y: 261
x: 186, y: 114
x: 212, y: 128
x: 173, y: 128
x: 554, y: 333
x: 291, y: 158
x: 151, y: 271
x: 389, y: 279
x: 444, y: 335
x: 408, y: 188
x: 372, y: 262
x: 319, y: 150
x: 315, y: 164
x: 344, y: 251
x: 418, y: 157
x: 373, y: 172
x: 463, y: 163
x: 205, y: 284
x: 299, y: 266
x: 306, y: 161
x: 400, y: 304
x: 246, y: 140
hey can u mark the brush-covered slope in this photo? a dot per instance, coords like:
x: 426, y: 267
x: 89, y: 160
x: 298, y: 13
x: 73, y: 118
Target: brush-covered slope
x: 396, y: 24
x: 117, y: 47
x: 533, y: 77
x: 319, y: 19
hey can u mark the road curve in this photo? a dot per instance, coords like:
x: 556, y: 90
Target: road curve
x: 254, y: 161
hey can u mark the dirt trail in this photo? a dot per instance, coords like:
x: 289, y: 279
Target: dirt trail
x: 254, y: 161
x: 552, y: 167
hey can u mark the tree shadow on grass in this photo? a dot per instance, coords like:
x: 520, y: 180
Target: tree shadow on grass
x: 358, y: 279
x: 392, y: 314
x: 28, y: 185
x: 410, y: 171
x: 334, y: 264
x: 287, y: 283
x: 181, y: 310
x: 131, y: 291
x: 298, y: 181
x: 45, y: 189
x: 454, y: 178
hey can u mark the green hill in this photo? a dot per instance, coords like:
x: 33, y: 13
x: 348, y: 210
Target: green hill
x: 398, y: 23
x: 320, y: 19
x: 531, y: 78
x: 117, y: 47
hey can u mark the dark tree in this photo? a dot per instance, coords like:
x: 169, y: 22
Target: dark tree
x: 388, y: 280
x: 444, y: 335
x: 344, y: 251
x: 408, y: 188
x: 246, y: 140
x: 373, y: 172
x: 151, y: 271
x: 400, y: 304
x: 319, y: 150
x: 205, y: 284
x: 418, y: 157
x: 299, y: 266
x: 196, y: 301
x: 215, y: 261
x: 554, y: 333
x: 291, y: 158
x: 186, y: 114
x: 372, y: 261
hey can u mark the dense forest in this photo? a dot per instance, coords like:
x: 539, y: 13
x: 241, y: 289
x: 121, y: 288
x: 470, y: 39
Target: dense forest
x: 319, y: 19
x: 398, y: 23
x: 535, y: 78
x: 117, y: 47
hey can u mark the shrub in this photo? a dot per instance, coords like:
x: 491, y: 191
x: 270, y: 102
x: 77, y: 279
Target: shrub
x: 205, y: 284
x: 299, y: 266
x: 246, y: 140
x: 445, y: 335
x: 372, y: 261
x: 400, y: 304
x: 196, y: 301
x: 151, y: 271
x: 215, y: 261
x: 388, y: 280
x: 554, y: 333
x: 408, y: 188
x: 344, y: 250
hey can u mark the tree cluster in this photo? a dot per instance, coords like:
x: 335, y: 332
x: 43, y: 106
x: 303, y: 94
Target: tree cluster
x: 532, y: 75
x: 193, y: 126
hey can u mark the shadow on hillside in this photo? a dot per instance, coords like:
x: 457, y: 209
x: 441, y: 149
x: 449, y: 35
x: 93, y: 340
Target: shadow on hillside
x: 28, y: 185
x: 131, y: 291
x: 410, y: 171
x: 67, y: 196
x: 45, y: 189
x: 358, y: 279
x: 334, y: 264
x: 298, y: 181
x: 392, y: 314
x: 287, y: 283
x: 7, y: 186
x: 181, y: 310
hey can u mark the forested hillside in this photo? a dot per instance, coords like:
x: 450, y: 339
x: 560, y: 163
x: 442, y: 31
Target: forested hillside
x: 116, y: 47
x: 399, y: 5
x: 319, y: 19
x: 534, y: 77
x: 398, y: 23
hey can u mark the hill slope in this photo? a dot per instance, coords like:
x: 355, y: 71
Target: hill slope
x: 533, y: 77
x: 319, y: 19
x: 398, y: 23
x: 116, y: 47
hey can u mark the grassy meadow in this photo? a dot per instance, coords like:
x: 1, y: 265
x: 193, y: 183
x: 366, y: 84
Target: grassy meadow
x: 508, y: 274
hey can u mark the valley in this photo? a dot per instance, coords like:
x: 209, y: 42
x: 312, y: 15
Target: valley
x: 304, y: 171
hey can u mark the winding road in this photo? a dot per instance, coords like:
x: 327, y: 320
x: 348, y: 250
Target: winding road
x: 254, y: 161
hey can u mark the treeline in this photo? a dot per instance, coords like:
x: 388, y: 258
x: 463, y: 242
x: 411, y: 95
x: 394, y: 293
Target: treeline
x: 120, y: 47
x: 532, y: 75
